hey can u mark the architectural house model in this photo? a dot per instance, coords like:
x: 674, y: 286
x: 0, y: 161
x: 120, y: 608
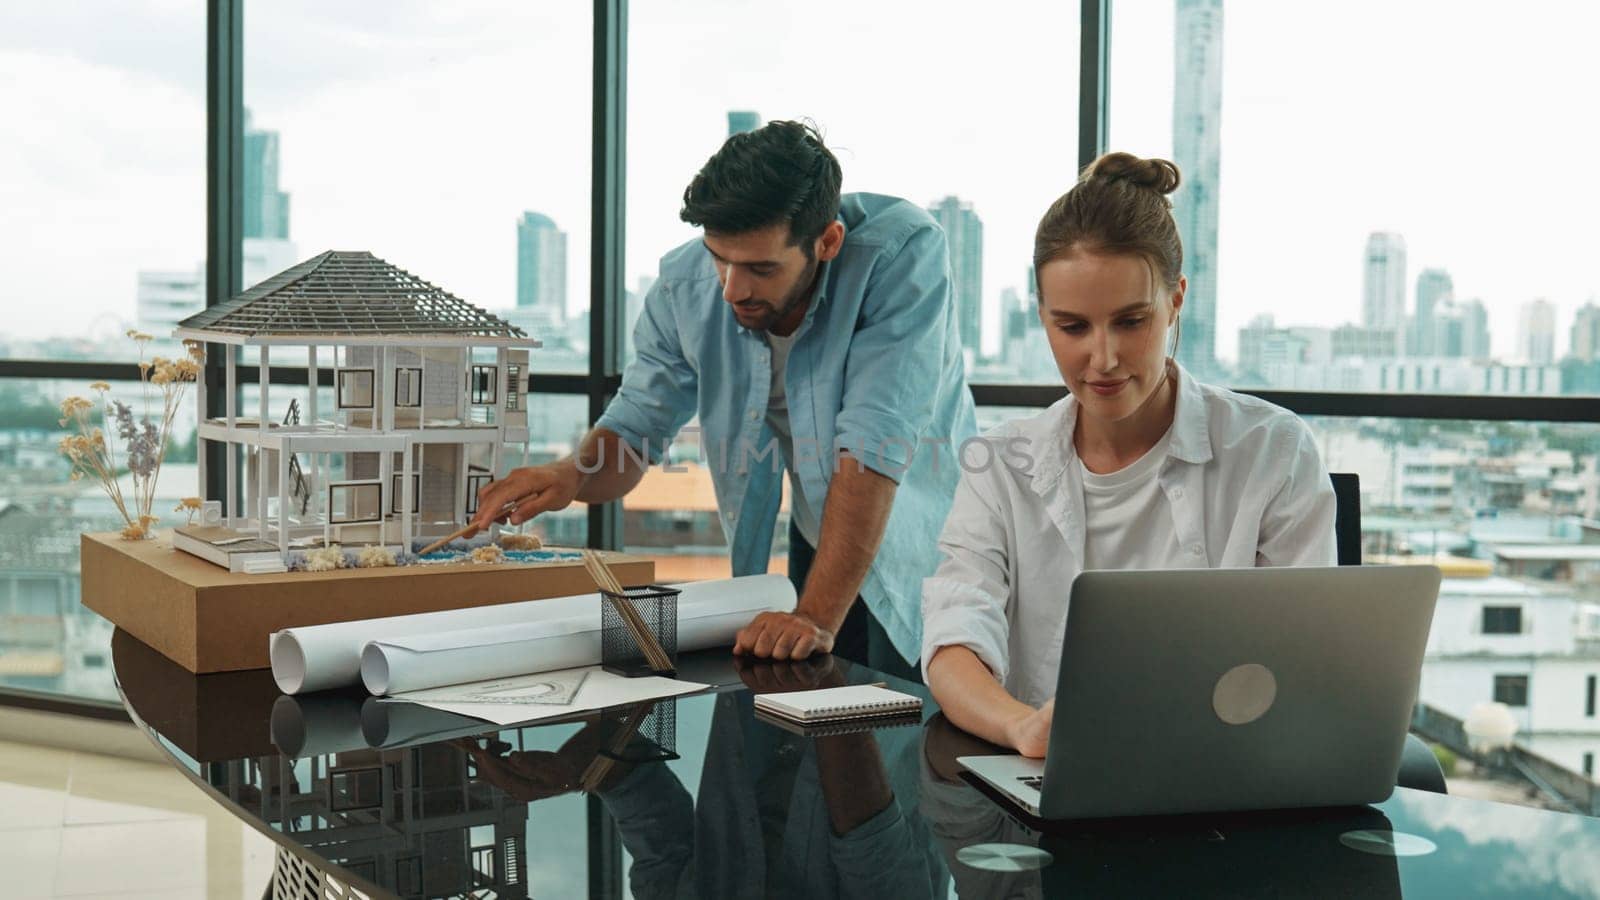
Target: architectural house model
x: 427, y: 393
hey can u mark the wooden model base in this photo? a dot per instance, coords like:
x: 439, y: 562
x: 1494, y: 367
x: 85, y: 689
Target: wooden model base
x: 208, y: 619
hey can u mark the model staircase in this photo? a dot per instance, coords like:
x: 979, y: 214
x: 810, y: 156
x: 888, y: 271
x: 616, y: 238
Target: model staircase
x: 301, y: 488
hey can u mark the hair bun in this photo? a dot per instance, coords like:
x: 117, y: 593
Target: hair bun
x: 1158, y: 175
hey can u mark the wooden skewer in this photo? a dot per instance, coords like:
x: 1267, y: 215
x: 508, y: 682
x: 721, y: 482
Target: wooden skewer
x: 642, y: 635
x: 466, y: 531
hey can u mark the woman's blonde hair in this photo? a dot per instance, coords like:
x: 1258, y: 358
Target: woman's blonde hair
x: 1118, y: 207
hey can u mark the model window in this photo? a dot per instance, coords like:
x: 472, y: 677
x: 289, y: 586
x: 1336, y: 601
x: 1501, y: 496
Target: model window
x: 416, y: 494
x: 1588, y: 699
x: 355, y: 388
x: 1502, y: 620
x: 408, y: 386
x: 1512, y: 690
x: 355, y: 501
x: 482, y: 383
x: 513, y: 387
x: 475, y: 483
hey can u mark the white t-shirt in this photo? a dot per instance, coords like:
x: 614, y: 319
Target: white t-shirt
x: 1243, y: 485
x: 1127, y: 519
x: 807, y: 519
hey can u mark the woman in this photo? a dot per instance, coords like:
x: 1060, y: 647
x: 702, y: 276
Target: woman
x: 1140, y: 467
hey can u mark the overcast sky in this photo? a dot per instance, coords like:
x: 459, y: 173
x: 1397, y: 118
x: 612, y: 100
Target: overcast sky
x: 424, y: 136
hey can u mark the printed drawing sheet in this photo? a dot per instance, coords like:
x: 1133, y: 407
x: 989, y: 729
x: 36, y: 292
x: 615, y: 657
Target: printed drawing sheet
x: 545, y: 695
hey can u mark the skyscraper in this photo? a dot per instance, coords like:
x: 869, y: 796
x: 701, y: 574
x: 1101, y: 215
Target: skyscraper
x: 964, y: 232
x: 1474, y: 330
x: 741, y: 120
x: 266, y: 209
x: 1434, y: 287
x: 542, y: 267
x: 1383, y: 294
x: 1537, y: 334
x: 1586, y: 333
x: 165, y: 298
x: 1197, y: 149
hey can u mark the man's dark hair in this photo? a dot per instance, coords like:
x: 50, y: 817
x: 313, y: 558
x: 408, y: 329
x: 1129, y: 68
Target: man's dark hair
x: 778, y: 173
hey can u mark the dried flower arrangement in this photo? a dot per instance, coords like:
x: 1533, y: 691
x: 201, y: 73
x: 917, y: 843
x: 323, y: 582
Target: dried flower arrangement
x: 143, y: 441
x: 191, y: 506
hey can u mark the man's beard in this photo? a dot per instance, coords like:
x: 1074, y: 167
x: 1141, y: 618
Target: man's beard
x: 799, y: 294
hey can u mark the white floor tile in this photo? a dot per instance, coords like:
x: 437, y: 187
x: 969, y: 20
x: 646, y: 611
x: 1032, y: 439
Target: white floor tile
x: 134, y: 795
x: 28, y: 862
x: 145, y: 856
x: 26, y: 806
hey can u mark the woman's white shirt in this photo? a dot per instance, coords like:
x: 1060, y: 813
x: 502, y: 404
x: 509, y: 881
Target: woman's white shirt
x: 1240, y: 477
x: 1127, y: 521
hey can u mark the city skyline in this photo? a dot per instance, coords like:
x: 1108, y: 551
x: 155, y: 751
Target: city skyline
x: 1275, y: 254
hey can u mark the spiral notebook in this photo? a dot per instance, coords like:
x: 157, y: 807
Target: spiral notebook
x: 839, y: 704
x: 833, y: 728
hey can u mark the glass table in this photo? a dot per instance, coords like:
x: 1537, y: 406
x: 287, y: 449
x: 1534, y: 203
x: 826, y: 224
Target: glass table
x: 698, y: 797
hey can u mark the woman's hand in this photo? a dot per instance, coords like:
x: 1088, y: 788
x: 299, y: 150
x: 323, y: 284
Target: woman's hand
x: 1030, y: 733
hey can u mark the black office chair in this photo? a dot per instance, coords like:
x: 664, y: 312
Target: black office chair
x: 1419, y: 768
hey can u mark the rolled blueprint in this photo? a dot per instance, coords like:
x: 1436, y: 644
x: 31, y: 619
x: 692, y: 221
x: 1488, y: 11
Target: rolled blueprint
x: 315, y: 725
x: 711, y: 617
x: 531, y: 636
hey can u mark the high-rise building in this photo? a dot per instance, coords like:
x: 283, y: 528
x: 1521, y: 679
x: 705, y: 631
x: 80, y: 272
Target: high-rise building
x: 1536, y: 335
x: 1361, y: 342
x: 1474, y: 331
x: 1383, y: 293
x: 1197, y: 149
x: 1263, y: 346
x: 542, y: 266
x: 165, y: 298
x: 742, y: 120
x: 266, y: 209
x: 1586, y: 333
x: 1434, y: 287
x: 963, y: 230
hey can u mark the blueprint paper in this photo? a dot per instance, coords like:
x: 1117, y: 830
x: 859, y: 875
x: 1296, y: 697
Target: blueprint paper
x: 432, y: 649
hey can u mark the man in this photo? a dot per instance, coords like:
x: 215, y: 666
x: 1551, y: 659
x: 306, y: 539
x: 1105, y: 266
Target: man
x: 811, y: 333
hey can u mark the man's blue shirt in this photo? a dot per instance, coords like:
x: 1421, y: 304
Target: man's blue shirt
x: 875, y: 368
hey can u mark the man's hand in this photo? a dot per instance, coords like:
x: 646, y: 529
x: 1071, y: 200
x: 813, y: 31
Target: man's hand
x: 783, y: 636
x: 534, y: 490
x: 766, y: 677
x: 1030, y: 734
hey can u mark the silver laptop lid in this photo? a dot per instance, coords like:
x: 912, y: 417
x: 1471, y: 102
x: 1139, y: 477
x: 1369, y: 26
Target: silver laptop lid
x: 1224, y: 689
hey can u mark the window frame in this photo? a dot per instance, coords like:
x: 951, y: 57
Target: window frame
x: 1499, y: 614
x: 1509, y: 685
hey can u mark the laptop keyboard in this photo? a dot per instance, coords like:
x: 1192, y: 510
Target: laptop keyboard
x: 1033, y: 781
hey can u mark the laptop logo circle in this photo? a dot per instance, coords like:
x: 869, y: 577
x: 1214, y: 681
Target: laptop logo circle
x: 1244, y: 694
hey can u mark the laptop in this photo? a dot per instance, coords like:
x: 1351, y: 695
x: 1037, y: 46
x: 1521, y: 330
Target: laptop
x: 1214, y: 690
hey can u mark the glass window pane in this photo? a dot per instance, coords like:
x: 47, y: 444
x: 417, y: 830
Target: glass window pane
x: 1367, y: 226
x: 1507, y: 511
x: 433, y: 136
x: 103, y: 171
x: 972, y: 117
x: 48, y: 640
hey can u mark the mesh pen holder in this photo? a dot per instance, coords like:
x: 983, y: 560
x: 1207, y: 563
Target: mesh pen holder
x: 653, y: 739
x: 658, y: 607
